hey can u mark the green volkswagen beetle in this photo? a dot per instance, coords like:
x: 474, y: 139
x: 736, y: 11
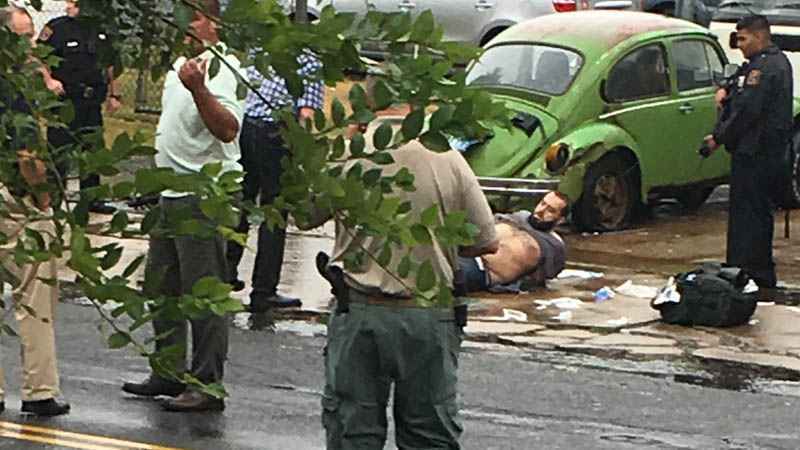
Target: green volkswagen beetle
x: 610, y: 108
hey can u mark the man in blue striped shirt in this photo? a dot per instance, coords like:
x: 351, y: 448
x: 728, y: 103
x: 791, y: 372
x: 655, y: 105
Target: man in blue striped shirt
x: 262, y: 151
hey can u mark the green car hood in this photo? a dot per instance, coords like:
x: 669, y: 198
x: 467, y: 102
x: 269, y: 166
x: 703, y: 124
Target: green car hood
x: 509, y: 150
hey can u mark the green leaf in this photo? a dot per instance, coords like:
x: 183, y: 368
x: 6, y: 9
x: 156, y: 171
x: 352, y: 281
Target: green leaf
x: 382, y: 158
x: 241, y: 91
x: 338, y: 112
x: 183, y: 15
x: 119, y: 340
x: 421, y: 234
x: 383, y: 136
x: 133, y: 266
x: 412, y: 124
x: 435, y: 140
x: 213, y: 67
x: 382, y: 97
x: 426, y: 279
x: 404, y: 267
x: 338, y: 147
x: 423, y: 27
x: 441, y: 117
x: 430, y: 217
x: 319, y: 119
x: 385, y: 256
x: 357, y: 145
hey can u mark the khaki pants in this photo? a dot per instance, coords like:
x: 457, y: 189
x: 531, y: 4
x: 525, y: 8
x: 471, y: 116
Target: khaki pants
x: 34, y: 307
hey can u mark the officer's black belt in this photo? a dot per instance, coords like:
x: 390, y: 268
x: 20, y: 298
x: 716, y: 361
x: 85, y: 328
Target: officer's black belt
x: 357, y: 297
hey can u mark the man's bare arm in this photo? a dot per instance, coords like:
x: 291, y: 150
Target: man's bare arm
x: 219, y: 121
x: 34, y: 172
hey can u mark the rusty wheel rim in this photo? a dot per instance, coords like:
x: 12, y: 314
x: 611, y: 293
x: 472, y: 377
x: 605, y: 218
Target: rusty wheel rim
x: 611, y: 201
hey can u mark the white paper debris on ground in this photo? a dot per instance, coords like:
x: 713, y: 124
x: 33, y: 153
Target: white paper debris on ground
x: 637, y: 290
x: 750, y: 287
x: 582, y: 274
x: 564, y: 316
x: 567, y: 303
x: 793, y: 309
x: 766, y: 303
x: 619, y: 322
x: 514, y: 315
x: 668, y: 294
x: 754, y: 322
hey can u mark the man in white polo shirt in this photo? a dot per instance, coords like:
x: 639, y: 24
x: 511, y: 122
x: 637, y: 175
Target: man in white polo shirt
x: 199, y: 124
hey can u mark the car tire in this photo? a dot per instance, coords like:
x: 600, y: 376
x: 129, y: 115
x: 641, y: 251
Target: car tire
x: 789, y: 197
x: 609, y: 196
x: 692, y: 199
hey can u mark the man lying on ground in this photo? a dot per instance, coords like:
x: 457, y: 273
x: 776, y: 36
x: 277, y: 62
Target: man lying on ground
x: 529, y: 247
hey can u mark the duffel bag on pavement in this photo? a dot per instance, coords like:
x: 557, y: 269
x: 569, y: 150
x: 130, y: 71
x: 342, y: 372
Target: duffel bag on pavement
x: 712, y: 295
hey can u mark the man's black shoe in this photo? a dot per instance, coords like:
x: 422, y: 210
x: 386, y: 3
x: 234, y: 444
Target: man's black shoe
x: 193, y: 401
x: 154, y: 386
x: 263, y: 304
x: 2, y: 407
x: 237, y: 285
x: 49, y: 407
x: 102, y: 208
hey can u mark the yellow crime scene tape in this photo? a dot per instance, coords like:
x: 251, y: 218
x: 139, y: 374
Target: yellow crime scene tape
x: 69, y: 439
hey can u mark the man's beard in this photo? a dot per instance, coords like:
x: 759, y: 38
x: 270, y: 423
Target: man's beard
x: 541, y: 225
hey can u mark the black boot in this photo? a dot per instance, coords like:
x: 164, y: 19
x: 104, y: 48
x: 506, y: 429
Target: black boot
x: 154, y: 386
x: 49, y: 407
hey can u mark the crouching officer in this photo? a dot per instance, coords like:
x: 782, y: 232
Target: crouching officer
x: 84, y: 78
x: 380, y: 334
x: 755, y: 127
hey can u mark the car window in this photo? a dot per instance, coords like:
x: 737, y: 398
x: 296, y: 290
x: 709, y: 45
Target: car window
x: 692, y: 65
x: 715, y: 62
x: 541, y: 68
x: 641, y: 74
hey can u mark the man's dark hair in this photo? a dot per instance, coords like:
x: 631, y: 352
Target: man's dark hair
x: 755, y: 23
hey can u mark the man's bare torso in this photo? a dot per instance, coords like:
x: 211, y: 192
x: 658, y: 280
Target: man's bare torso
x: 518, y: 254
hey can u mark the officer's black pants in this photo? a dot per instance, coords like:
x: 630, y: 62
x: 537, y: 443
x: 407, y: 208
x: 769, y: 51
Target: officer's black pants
x: 262, y: 150
x: 750, y: 217
x: 88, y: 118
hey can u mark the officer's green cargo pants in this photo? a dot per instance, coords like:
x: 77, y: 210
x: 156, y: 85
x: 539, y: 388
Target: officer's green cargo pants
x: 372, y: 346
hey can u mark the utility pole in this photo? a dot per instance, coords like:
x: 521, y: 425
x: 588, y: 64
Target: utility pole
x: 301, y: 11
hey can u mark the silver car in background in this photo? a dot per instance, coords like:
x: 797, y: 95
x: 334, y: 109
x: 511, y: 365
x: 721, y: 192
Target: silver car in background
x: 473, y: 21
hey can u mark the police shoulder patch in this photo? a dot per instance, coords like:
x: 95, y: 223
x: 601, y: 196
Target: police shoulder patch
x: 754, y: 77
x: 45, y: 34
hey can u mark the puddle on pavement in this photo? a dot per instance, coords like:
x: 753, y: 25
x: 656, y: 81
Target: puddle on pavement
x: 718, y: 375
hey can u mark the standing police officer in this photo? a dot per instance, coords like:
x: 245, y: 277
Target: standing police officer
x: 81, y: 79
x: 755, y: 127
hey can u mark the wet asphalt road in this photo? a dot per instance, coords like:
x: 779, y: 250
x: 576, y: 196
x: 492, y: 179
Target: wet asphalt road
x: 511, y: 399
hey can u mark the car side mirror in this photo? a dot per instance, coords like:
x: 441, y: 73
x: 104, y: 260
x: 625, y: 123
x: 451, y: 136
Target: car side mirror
x: 732, y: 41
x: 730, y: 70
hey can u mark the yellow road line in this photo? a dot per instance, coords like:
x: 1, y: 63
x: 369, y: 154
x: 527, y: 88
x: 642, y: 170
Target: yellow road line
x: 53, y: 441
x: 26, y: 430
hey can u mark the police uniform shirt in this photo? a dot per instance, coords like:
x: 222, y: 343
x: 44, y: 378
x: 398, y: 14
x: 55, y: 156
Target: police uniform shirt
x: 759, y: 115
x: 82, y: 49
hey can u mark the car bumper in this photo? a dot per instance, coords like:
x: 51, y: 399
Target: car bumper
x: 517, y: 187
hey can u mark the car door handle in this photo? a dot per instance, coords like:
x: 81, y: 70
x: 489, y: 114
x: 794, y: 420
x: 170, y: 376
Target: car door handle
x: 483, y: 5
x: 406, y: 6
x: 686, y: 108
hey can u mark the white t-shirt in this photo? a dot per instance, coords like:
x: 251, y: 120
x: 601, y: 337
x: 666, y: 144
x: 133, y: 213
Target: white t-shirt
x: 183, y: 141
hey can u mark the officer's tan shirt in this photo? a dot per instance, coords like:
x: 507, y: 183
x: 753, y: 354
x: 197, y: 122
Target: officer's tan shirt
x: 442, y: 179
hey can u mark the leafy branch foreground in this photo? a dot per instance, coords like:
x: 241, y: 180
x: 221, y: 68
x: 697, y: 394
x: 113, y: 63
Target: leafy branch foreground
x: 327, y: 169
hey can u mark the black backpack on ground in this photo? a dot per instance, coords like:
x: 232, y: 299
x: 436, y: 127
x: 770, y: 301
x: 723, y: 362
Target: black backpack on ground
x: 711, y: 295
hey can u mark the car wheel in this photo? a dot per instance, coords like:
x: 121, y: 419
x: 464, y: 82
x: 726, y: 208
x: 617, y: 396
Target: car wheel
x: 693, y: 199
x: 609, y: 197
x: 788, y: 197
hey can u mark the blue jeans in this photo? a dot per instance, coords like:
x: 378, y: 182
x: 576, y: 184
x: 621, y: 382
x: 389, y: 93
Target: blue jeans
x: 476, y: 277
